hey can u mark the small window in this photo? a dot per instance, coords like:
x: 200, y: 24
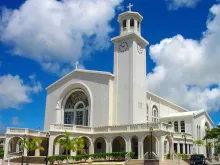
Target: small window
x: 182, y: 124
x: 132, y: 22
x: 176, y: 126
x: 124, y: 24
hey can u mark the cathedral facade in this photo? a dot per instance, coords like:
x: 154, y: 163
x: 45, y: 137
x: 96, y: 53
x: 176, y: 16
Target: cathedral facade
x: 115, y: 112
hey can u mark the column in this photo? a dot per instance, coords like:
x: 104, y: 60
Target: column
x: 91, y: 148
x: 6, y: 146
x: 25, y: 152
x: 50, y: 149
x: 161, y: 146
x: 140, y: 149
x: 128, y: 145
x: 37, y: 151
x: 184, y: 148
x: 128, y: 25
x: 178, y: 147
x: 72, y: 153
x: 188, y: 146
x: 57, y: 149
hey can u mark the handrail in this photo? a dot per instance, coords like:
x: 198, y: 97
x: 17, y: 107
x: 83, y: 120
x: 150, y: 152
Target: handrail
x: 146, y: 156
x: 127, y: 157
x: 155, y: 155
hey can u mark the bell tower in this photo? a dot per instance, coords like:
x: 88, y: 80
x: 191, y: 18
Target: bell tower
x: 129, y: 70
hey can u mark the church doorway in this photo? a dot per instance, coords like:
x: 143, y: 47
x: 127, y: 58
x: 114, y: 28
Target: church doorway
x: 59, y: 149
x: 134, y: 146
x: 148, y: 146
x: 118, y: 144
x: 100, y: 145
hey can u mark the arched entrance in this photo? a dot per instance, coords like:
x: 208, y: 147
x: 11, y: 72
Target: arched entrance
x: 100, y: 145
x: 59, y: 149
x: 118, y: 144
x: 87, y: 145
x: 168, y: 147
x: 134, y: 146
x: 150, y: 145
x: 14, y: 146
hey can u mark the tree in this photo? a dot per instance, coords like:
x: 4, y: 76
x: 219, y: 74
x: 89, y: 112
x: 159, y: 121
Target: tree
x: 75, y: 144
x: 199, y: 142
x: 209, y: 146
x: 214, y: 133
x: 31, y: 145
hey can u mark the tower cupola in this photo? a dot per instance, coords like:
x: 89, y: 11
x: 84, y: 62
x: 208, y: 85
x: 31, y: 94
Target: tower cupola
x: 130, y: 22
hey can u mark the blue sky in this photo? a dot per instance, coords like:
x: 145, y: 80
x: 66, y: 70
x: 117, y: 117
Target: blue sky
x: 41, y: 39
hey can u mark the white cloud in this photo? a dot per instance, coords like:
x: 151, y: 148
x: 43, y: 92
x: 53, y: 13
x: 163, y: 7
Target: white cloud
x: 14, y: 93
x: 187, y: 71
x: 15, y: 121
x: 176, y: 4
x: 57, y: 32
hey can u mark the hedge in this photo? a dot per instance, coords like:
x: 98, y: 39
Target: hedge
x: 1, y: 152
x: 114, y: 156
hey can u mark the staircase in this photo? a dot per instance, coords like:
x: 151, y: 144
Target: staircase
x: 173, y: 162
x: 135, y: 162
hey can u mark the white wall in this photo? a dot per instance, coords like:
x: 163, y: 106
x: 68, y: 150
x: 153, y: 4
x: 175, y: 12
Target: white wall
x: 95, y: 85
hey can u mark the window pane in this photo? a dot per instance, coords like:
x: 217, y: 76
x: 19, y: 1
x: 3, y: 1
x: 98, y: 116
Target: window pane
x: 79, y: 118
x: 86, y: 118
x: 68, y: 117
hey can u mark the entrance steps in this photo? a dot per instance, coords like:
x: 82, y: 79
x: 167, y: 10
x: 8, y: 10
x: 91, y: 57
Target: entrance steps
x: 173, y: 162
x: 135, y: 162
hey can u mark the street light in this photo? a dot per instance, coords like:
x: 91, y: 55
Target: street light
x: 184, y: 136
x: 22, y: 157
x: 151, y: 132
x: 48, y: 137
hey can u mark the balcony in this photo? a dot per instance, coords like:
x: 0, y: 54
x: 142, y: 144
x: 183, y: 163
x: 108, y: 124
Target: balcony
x: 111, y: 129
x: 22, y: 131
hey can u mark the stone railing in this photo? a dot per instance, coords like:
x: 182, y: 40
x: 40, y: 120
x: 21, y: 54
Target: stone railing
x: 111, y: 129
x: 179, y: 135
x: 22, y: 131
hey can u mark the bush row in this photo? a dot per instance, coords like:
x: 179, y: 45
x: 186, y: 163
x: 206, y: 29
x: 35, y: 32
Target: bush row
x: 1, y: 152
x: 114, y: 156
x: 179, y: 155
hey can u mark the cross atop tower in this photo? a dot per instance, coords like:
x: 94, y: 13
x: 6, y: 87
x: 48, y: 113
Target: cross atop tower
x: 76, y: 64
x: 129, y: 6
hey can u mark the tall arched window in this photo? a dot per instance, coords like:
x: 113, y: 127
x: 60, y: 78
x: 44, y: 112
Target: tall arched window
x: 155, y: 114
x: 132, y: 23
x: 124, y: 24
x: 76, y: 109
x: 176, y: 129
x: 182, y: 126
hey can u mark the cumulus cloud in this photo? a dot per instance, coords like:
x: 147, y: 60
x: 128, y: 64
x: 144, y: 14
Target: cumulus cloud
x: 176, y: 4
x: 14, y: 93
x: 187, y: 70
x: 15, y: 121
x: 57, y: 32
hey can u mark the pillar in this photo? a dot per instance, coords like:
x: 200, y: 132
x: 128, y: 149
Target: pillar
x: 6, y: 147
x: 25, y: 152
x: 161, y: 146
x: 140, y: 149
x: 37, y: 151
x: 128, y: 145
x: 72, y: 153
x: 178, y: 147
x: 128, y: 25
x: 91, y: 147
x: 184, y: 148
x: 50, y: 149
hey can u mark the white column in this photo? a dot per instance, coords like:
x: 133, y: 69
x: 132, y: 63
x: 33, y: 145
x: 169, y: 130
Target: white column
x: 57, y: 149
x: 184, y: 148
x: 128, y: 25
x: 140, y: 149
x: 72, y: 153
x: 25, y: 152
x: 50, y: 149
x: 91, y: 148
x: 128, y: 145
x: 161, y: 146
x: 37, y: 151
x: 178, y: 147
x: 6, y: 147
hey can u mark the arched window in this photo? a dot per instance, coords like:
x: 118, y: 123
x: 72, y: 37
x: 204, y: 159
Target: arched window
x: 155, y: 114
x: 176, y: 126
x: 76, y: 109
x: 132, y: 23
x: 124, y: 25
x: 182, y: 126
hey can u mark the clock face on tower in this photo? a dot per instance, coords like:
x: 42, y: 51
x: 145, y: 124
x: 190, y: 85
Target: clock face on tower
x: 139, y: 48
x: 123, y: 46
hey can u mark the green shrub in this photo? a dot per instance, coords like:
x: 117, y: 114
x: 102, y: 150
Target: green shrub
x: 1, y: 152
x: 114, y: 156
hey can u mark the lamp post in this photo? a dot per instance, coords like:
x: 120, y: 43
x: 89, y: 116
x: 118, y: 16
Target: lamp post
x: 48, y: 137
x: 151, y: 132
x: 22, y: 157
x: 184, y: 136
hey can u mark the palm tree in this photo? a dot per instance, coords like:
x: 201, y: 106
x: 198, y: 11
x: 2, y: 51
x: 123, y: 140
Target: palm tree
x: 31, y: 145
x: 199, y: 142
x: 209, y: 146
x: 75, y: 144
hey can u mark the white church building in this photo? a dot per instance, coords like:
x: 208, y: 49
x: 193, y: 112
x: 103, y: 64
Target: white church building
x: 114, y: 112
